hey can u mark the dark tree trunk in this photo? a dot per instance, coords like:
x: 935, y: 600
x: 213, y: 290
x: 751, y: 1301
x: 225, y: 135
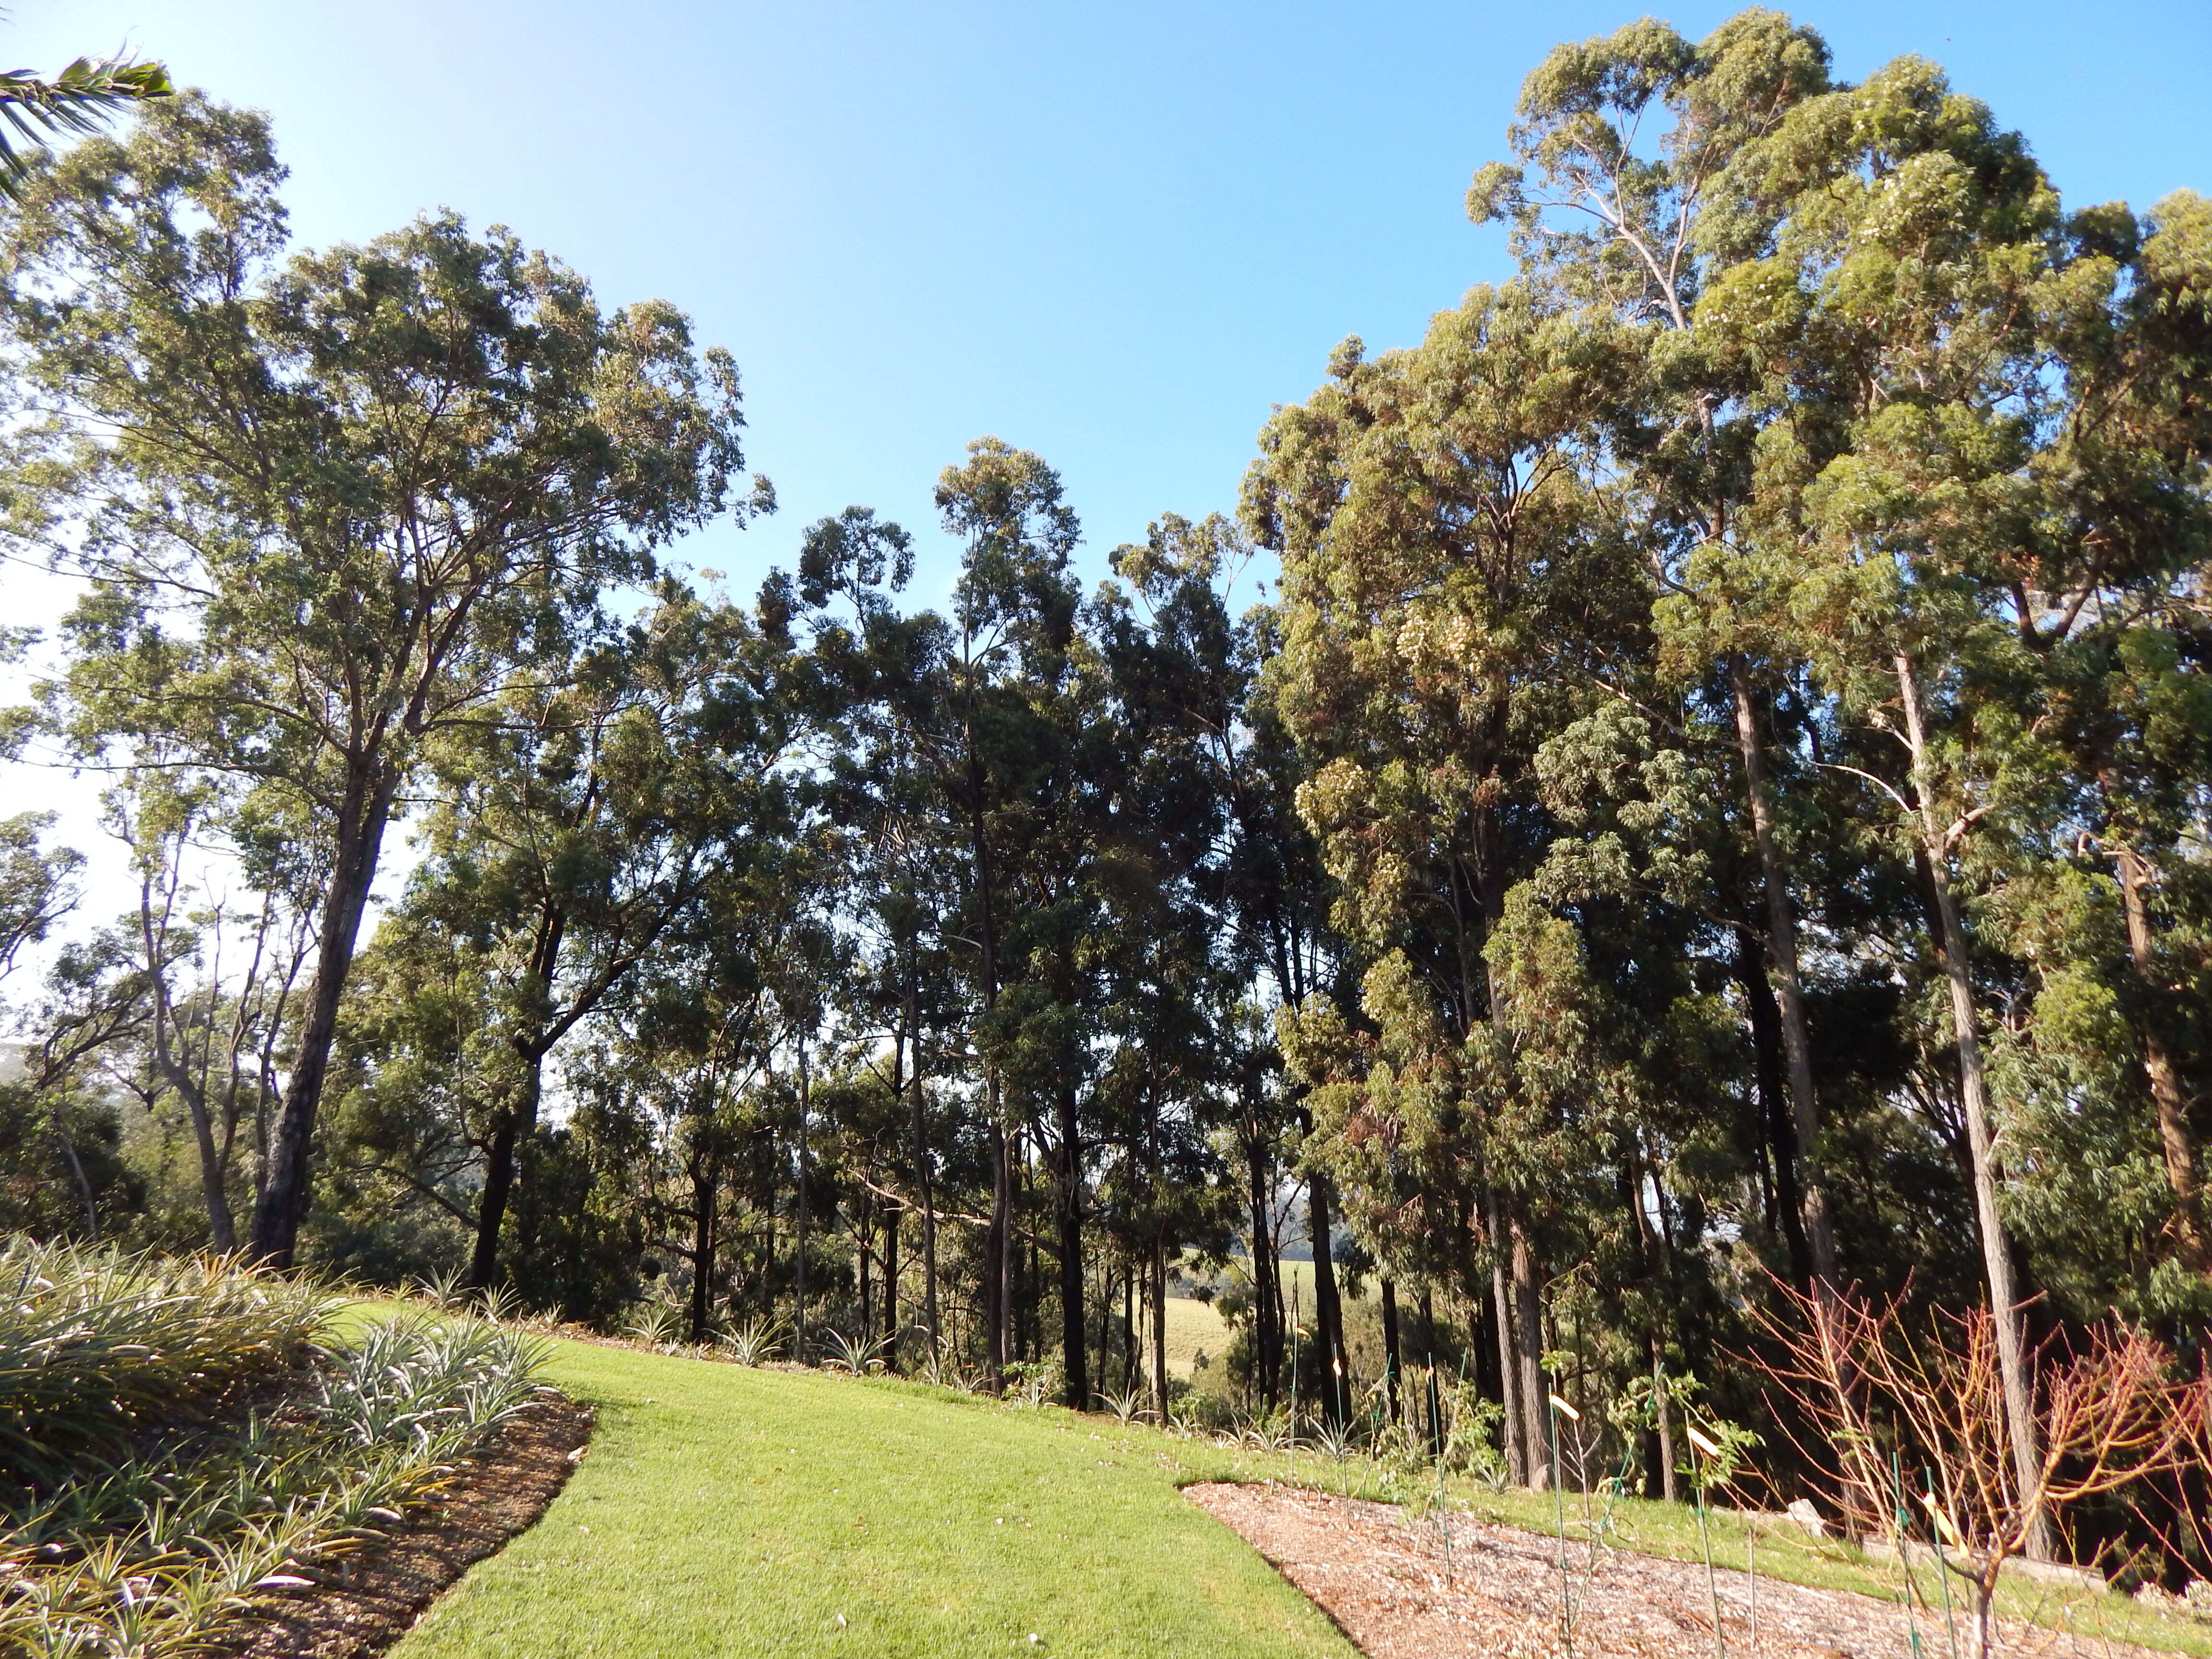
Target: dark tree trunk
x: 799, y: 1333
x: 1432, y: 1402
x: 1782, y: 956
x: 703, y: 1243
x: 1328, y: 1311
x: 1528, y: 1318
x: 1519, y: 1459
x: 2169, y: 1098
x: 1074, y: 1350
x: 1390, y: 1348
x: 283, y: 1204
x: 922, y: 1172
x: 1774, y: 1102
x: 1159, y: 1311
x: 1266, y: 1283
x: 995, y: 1259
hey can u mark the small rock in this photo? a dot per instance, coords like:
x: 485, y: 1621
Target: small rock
x: 1802, y: 1511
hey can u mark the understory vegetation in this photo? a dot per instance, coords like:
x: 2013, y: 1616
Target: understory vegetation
x: 187, y: 1441
x: 1685, y: 902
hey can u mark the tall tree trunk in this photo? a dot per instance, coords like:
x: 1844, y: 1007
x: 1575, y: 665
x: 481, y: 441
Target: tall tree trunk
x: 891, y: 1219
x: 2176, y: 1144
x: 1529, y: 1324
x: 1520, y: 1316
x: 1766, y: 1045
x: 1664, y: 1411
x: 995, y: 1262
x: 1782, y: 956
x: 703, y: 1182
x: 922, y: 1171
x: 1160, y: 1300
x: 799, y: 1335
x: 83, y: 1183
x: 366, y: 811
x: 1074, y: 1351
x: 1266, y: 1288
x: 1434, y: 1429
x: 520, y: 1117
x: 1328, y: 1309
x: 1973, y: 1090
x: 222, y: 1228
x: 1519, y: 1459
x: 1129, y: 1329
x: 1390, y: 1348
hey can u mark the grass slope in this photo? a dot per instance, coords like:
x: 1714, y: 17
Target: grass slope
x: 723, y: 1511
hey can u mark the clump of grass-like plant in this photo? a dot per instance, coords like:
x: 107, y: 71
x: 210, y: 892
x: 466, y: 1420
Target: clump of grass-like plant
x: 162, y: 1542
x: 95, y: 1343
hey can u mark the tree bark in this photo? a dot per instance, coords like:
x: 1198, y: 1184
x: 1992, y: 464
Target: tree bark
x: 921, y: 1169
x: 363, y: 816
x: 1973, y: 1090
x: 995, y: 1262
x: 1663, y: 1410
x: 798, y: 1336
x: 1518, y: 1459
x: 1328, y: 1309
x: 702, y: 1239
x: 1074, y: 1351
x: 520, y: 1117
x: 1528, y: 1311
x: 1266, y: 1287
x: 1390, y: 1348
x: 2176, y: 1144
x: 1774, y: 1105
x: 1782, y: 956
x: 222, y: 1226
x: 1159, y: 1299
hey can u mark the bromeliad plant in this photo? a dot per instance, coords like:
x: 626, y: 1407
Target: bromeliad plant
x: 94, y: 1344
x: 293, y: 1452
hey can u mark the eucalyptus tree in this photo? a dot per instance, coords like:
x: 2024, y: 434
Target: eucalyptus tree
x: 1637, y: 221
x: 38, y: 884
x: 1213, y: 849
x: 1012, y: 624
x: 877, y: 694
x: 332, y: 506
x: 577, y: 822
x: 211, y: 1045
x: 1444, y: 562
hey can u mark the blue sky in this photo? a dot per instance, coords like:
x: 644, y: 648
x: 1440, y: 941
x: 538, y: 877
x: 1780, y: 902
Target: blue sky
x: 1115, y: 235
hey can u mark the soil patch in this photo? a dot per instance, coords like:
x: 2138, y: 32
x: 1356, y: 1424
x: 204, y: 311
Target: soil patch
x: 364, y: 1604
x: 1433, y: 1587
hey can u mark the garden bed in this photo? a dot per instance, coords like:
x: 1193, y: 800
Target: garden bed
x: 1447, y: 1586
x: 363, y: 1604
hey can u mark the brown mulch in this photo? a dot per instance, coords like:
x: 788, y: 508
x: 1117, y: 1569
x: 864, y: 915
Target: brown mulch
x: 364, y: 1604
x: 1393, y: 1586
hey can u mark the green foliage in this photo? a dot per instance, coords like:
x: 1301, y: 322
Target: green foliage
x: 184, y: 1441
x: 94, y: 1345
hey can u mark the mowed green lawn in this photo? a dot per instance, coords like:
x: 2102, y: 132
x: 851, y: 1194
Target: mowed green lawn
x: 724, y: 1510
